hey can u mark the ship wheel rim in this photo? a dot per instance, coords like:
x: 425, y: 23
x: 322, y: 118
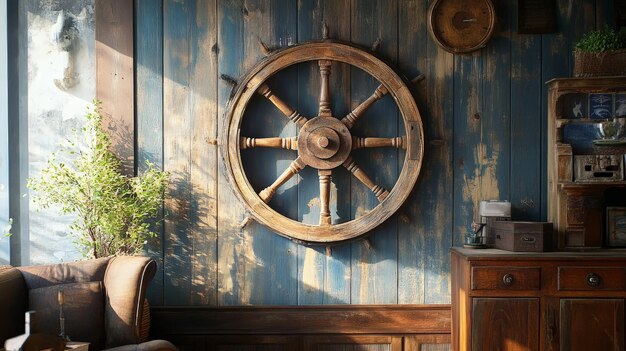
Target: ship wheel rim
x: 315, y: 51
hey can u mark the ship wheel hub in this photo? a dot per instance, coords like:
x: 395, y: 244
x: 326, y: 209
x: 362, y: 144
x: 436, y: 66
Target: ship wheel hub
x: 324, y: 142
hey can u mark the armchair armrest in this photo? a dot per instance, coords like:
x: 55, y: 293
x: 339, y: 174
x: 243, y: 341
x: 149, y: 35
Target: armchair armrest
x: 13, y: 299
x: 125, y: 283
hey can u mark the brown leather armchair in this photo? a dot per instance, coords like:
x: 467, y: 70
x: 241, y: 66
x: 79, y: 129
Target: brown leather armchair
x: 104, y: 302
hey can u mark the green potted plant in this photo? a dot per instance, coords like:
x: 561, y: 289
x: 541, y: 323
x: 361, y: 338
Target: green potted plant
x: 112, y: 210
x: 600, y: 53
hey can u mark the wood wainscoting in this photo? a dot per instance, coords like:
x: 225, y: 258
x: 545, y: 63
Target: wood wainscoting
x: 335, y: 327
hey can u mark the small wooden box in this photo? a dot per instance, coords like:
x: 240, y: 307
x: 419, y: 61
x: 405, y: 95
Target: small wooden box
x: 523, y: 236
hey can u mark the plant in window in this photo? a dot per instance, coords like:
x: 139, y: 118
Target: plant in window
x: 113, y: 210
x: 6, y: 229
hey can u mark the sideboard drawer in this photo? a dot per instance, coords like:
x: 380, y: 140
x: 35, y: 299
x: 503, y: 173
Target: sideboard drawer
x: 592, y: 278
x: 506, y: 278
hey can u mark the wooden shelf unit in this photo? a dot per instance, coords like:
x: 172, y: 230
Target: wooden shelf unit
x: 577, y: 208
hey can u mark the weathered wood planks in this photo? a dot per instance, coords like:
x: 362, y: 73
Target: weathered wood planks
x: 422, y: 276
x: 115, y: 76
x: 322, y: 273
x: 374, y: 268
x: 230, y: 213
x: 178, y: 245
x: 149, y: 113
x: 526, y: 125
x: 484, y: 120
x: 270, y: 263
x: 190, y: 154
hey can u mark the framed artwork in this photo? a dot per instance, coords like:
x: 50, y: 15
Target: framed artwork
x: 600, y: 106
x: 574, y: 106
x: 616, y: 226
x: 620, y: 105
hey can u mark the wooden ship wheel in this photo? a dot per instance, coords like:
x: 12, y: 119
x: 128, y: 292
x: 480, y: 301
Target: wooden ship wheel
x: 324, y: 142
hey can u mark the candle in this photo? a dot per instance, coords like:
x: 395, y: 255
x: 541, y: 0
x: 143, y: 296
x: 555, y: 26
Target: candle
x: 61, y: 297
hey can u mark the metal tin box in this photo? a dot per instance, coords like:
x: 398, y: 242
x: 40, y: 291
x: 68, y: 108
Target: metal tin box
x: 598, y: 168
x: 523, y: 236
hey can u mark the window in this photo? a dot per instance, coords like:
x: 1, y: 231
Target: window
x: 4, y: 137
x: 49, y: 62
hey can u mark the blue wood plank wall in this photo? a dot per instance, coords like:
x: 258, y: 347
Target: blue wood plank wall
x: 484, y: 117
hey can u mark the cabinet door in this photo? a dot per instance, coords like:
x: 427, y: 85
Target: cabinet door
x: 592, y: 324
x: 507, y: 324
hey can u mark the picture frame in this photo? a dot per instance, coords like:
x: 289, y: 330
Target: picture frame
x: 616, y: 226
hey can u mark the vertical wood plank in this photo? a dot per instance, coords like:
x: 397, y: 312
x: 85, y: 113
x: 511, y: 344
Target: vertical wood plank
x: 271, y: 265
x: 323, y: 278
x: 115, y: 76
x: 149, y: 114
x: 482, y: 97
x: 439, y: 119
x: 493, y: 153
x: 605, y: 14
x: 423, y: 261
x: 190, y: 92
x: 203, y: 168
x: 467, y: 149
x: 413, y: 59
x: 177, y: 150
x: 230, y: 214
x: 526, y: 145
x: 374, y: 267
x: 574, y: 19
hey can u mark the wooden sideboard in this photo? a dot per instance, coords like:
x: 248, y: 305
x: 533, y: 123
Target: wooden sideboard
x: 538, y: 301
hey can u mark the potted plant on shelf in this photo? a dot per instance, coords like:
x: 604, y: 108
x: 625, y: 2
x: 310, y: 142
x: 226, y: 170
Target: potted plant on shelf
x: 601, y: 53
x: 113, y: 210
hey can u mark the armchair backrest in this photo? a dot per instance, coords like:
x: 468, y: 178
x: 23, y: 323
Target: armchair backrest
x: 107, y: 296
x: 13, y: 299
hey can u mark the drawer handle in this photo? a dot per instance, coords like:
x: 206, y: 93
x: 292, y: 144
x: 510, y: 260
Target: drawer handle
x: 593, y: 279
x: 528, y: 239
x: 508, y: 279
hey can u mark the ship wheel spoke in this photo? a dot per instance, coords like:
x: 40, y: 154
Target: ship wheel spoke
x: 276, y: 143
x: 325, y: 176
x: 358, y: 112
x: 359, y: 174
x: 397, y: 142
x: 324, y: 100
x: 286, y: 110
x: 296, y: 166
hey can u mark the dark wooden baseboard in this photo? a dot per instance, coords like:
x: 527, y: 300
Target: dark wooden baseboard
x: 195, y: 328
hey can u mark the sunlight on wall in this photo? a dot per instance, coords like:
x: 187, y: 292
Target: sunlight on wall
x: 61, y: 83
